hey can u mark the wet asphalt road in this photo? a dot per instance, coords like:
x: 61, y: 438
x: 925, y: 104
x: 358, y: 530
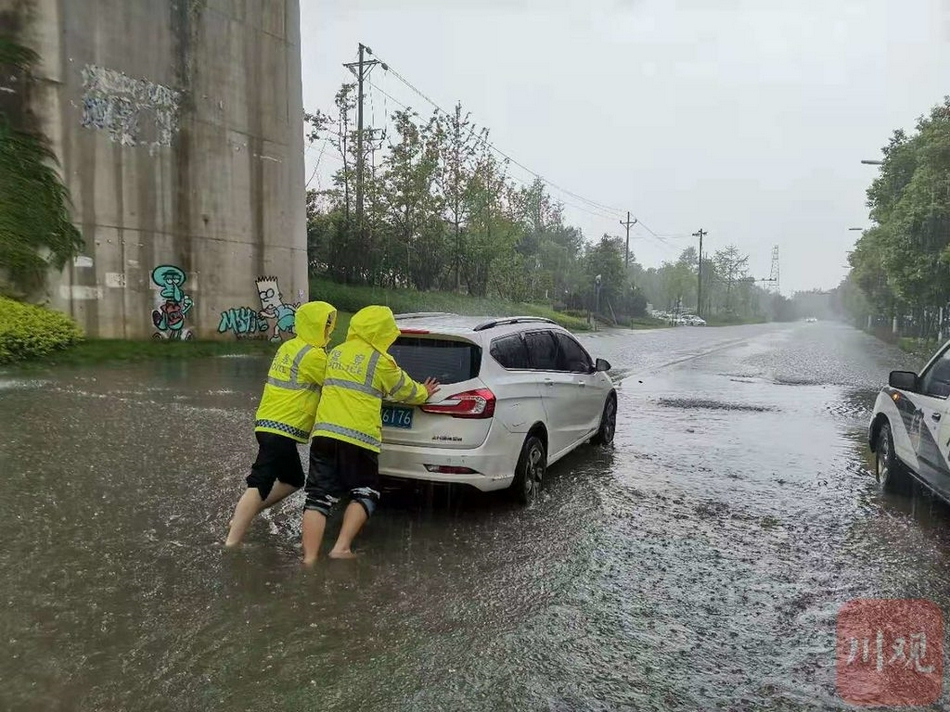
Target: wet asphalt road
x: 697, y: 566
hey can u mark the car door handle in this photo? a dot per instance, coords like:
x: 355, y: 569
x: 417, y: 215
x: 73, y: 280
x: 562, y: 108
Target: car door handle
x: 935, y: 416
x: 548, y: 382
x: 581, y: 384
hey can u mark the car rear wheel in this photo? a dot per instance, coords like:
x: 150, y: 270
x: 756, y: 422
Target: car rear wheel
x: 608, y: 423
x: 529, y: 475
x: 890, y: 472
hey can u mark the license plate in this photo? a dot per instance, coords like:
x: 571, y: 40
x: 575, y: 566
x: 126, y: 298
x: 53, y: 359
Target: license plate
x: 397, y: 417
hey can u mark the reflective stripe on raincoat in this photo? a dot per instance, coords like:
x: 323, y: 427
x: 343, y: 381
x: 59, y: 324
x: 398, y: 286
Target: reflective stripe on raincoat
x: 292, y: 390
x: 360, y: 375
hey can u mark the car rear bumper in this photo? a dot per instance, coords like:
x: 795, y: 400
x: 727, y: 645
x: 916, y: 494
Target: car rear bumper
x: 493, y: 462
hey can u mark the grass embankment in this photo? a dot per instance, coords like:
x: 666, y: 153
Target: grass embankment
x: 401, y: 301
x: 921, y: 348
x: 737, y: 321
x: 95, y: 351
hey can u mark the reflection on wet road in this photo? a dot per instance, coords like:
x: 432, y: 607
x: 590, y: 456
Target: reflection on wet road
x: 698, y: 565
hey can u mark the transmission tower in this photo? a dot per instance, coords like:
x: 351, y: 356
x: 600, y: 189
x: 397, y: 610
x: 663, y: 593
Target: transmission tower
x: 774, y: 274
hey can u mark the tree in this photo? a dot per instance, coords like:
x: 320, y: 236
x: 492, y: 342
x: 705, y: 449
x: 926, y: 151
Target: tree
x: 902, y: 264
x: 35, y: 226
x: 606, y: 260
x: 732, y: 270
x: 457, y: 180
x: 414, y: 208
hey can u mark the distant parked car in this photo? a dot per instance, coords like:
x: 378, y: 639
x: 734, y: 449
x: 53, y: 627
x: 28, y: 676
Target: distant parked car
x: 910, y: 428
x: 517, y: 394
x: 693, y: 320
x: 811, y: 320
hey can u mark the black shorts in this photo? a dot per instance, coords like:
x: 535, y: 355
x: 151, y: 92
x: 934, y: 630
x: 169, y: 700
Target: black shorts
x: 339, y: 469
x: 277, y: 459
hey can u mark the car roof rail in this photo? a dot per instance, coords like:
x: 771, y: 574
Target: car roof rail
x: 421, y: 315
x: 513, y: 320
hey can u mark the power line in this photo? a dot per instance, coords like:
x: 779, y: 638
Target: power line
x: 615, y: 212
x: 602, y: 215
x: 587, y: 205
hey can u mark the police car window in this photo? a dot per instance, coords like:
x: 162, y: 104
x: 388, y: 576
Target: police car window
x: 542, y: 350
x: 446, y: 361
x: 571, y: 355
x: 936, y: 382
x: 510, y: 352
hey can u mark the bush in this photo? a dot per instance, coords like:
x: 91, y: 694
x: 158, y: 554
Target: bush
x: 28, y: 331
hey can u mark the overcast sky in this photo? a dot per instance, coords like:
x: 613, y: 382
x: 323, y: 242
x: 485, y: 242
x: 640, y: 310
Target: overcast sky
x: 748, y: 118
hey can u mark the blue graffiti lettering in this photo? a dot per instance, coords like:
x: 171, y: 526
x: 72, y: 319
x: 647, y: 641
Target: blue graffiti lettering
x: 243, y: 322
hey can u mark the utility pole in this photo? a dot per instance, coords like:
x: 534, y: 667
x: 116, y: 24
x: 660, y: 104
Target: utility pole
x: 359, y: 143
x: 628, y: 224
x: 699, y: 275
x: 363, y: 67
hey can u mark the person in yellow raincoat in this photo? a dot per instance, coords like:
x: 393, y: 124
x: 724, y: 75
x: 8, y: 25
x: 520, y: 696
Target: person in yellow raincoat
x: 347, y: 434
x: 286, y: 414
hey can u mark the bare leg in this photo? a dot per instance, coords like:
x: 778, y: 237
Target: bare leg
x: 279, y: 491
x: 313, y: 525
x: 247, y: 508
x: 353, y: 520
x: 250, y: 505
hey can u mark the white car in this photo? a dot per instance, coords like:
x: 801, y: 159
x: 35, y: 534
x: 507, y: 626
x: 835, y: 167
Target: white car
x: 517, y: 394
x: 910, y: 428
x: 693, y: 320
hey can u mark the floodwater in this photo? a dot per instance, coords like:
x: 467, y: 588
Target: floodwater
x: 697, y: 566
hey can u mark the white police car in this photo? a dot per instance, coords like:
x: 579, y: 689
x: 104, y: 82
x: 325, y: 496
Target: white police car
x: 910, y: 428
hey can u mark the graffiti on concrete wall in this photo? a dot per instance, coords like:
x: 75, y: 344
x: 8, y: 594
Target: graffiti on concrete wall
x: 274, y: 319
x: 171, y: 304
x: 273, y: 307
x: 135, y: 112
x: 244, y: 323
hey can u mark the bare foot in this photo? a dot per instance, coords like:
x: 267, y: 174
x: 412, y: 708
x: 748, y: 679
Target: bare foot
x: 231, y: 544
x: 310, y: 562
x: 344, y: 554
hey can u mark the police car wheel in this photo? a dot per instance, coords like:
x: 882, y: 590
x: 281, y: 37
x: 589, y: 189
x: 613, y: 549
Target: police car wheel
x: 890, y: 472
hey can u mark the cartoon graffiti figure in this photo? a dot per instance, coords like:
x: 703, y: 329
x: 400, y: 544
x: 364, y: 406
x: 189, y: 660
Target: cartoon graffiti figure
x: 169, y: 317
x: 273, y: 307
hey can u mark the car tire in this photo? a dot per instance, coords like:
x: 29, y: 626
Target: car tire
x: 608, y: 423
x: 890, y: 471
x: 529, y: 474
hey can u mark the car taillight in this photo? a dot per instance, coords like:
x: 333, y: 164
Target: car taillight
x: 470, y: 404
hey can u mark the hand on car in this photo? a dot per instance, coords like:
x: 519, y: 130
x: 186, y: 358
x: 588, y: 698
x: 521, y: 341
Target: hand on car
x: 431, y: 385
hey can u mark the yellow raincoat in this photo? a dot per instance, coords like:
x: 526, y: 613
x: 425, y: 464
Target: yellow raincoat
x: 292, y: 391
x: 360, y: 374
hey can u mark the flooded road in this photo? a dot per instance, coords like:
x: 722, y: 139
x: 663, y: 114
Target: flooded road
x: 697, y: 566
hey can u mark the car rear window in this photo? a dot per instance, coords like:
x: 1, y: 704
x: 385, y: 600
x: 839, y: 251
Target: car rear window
x: 445, y: 360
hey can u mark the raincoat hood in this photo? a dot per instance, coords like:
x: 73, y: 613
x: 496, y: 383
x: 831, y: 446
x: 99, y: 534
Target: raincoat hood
x: 376, y: 326
x: 311, y: 322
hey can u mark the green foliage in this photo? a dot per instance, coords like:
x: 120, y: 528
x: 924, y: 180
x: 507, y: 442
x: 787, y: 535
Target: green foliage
x: 35, y: 225
x: 901, y: 264
x: 442, y: 214
x: 350, y: 298
x: 28, y: 331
